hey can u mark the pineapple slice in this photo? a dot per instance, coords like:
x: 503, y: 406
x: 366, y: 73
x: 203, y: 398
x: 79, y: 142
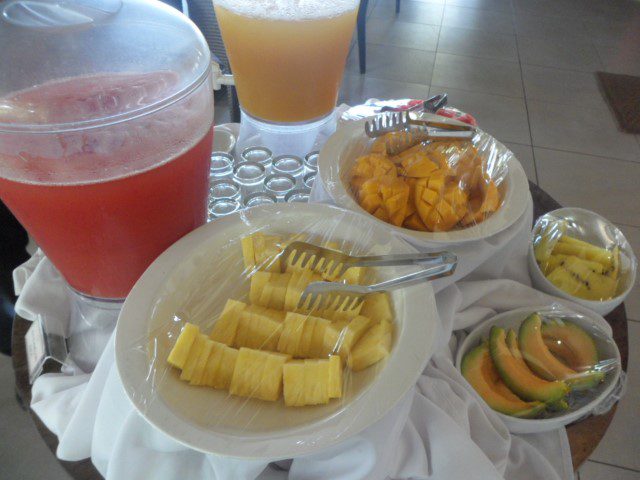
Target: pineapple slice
x: 316, y: 382
x: 267, y: 250
x: 577, y: 279
x: 258, y: 282
x: 293, y: 374
x: 180, y: 351
x: 374, y: 345
x: 291, y: 335
x: 197, y: 378
x: 247, y: 252
x: 377, y: 307
x: 258, y: 374
x: 341, y: 336
x: 271, y: 384
x: 280, y: 285
x: 226, y: 369
x: 224, y: 330
x: 568, y: 245
x: 311, y: 382
x: 277, y: 315
x: 558, y: 260
x: 302, y: 335
x: 258, y: 331
x: 192, y: 359
x: 213, y: 363
x: 335, y: 376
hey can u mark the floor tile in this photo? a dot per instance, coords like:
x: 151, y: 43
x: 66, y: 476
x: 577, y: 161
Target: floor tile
x: 604, y: 185
x: 564, y: 87
x: 620, y: 444
x: 478, y: 75
x: 490, y: 5
x: 524, y: 154
x: 608, y: 9
x: 393, y: 63
x: 503, y: 117
x: 461, y: 17
x: 561, y: 8
x: 632, y: 303
x: 600, y: 471
x: 410, y: 11
x: 569, y: 55
x: 23, y: 454
x: 582, y: 130
x: 356, y: 89
x: 402, y: 34
x: 624, y: 59
x: 557, y: 28
x: 477, y: 43
x: 614, y: 33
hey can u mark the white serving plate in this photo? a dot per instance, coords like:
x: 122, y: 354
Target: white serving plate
x: 193, y: 279
x: 349, y: 142
x: 606, y: 349
x: 591, y: 227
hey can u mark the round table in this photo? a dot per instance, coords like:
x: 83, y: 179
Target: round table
x: 584, y: 436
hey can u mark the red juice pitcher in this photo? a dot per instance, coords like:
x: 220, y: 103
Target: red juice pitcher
x: 106, y: 125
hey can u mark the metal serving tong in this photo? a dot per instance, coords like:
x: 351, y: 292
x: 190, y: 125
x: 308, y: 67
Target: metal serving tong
x: 390, y: 122
x: 342, y: 296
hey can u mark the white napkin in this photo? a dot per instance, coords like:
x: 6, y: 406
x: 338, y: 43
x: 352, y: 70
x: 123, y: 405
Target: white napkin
x: 440, y: 430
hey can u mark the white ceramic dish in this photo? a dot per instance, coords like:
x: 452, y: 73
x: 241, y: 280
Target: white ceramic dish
x: 606, y: 349
x: 591, y: 227
x: 350, y: 141
x: 191, y: 280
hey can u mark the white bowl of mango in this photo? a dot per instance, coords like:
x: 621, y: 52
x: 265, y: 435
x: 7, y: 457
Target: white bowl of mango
x: 213, y: 351
x: 438, y: 192
x: 579, y: 255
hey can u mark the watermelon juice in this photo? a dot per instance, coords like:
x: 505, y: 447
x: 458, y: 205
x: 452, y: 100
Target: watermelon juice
x: 103, y: 201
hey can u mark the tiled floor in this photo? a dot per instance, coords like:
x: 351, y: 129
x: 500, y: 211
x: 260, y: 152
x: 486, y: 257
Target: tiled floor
x: 524, y: 68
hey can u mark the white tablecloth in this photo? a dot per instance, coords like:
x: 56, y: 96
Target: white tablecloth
x: 440, y: 430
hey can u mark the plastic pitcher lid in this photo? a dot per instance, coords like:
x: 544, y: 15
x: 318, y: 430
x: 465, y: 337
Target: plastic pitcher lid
x: 108, y: 43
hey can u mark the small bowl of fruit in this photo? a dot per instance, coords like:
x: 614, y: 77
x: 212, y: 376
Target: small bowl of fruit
x: 578, y: 255
x: 542, y: 368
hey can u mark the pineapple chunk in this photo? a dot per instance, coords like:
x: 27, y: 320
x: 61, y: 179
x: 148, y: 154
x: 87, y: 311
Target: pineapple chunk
x: 258, y: 282
x: 372, y: 347
x: 335, y: 376
x: 224, y: 330
x: 225, y: 372
x: 258, y: 374
x: 377, y: 307
x: 180, y: 351
x: 192, y: 359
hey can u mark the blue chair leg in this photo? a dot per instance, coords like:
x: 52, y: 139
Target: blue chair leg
x: 362, y: 37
